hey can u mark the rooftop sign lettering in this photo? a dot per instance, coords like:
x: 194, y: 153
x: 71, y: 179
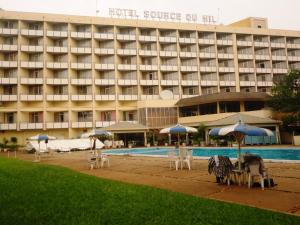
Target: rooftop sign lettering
x: 161, y: 16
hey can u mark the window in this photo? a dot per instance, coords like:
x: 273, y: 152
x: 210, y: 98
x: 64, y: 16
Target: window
x: 107, y: 116
x: 9, y: 117
x: 35, y: 117
x: 227, y: 89
x: 258, y: 26
x: 262, y: 65
x: 59, y: 117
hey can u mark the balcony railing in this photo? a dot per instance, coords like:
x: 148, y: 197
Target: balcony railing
x: 29, y: 98
x: 8, y: 126
x: 207, y: 55
x: 127, y: 82
x: 81, y: 35
x: 32, y: 64
x: 127, y: 67
x: 168, y: 68
x: 104, y: 66
x: 264, y: 83
x: 55, y: 49
x: 226, y: 69
x: 57, y: 98
x: 126, y: 37
x: 81, y: 66
x: 8, y: 48
x: 4, y: 80
x: 57, y: 65
x: 261, y: 44
x: 8, y: 31
x: 208, y: 68
x: 188, y: 54
x: 8, y: 64
x: 127, y: 97
x: 104, y: 36
x: 104, y: 82
x: 263, y: 70
x: 104, y: 51
x: 294, y: 58
x: 33, y: 33
x: 277, y: 45
x: 57, y: 81
x: 190, y: 83
x: 126, y: 51
x: 81, y: 50
x: 111, y: 97
x: 8, y: 98
x: 31, y: 48
x: 57, y: 125
x: 246, y: 70
x: 81, y: 97
x: 87, y: 81
x: 148, y: 67
x: 280, y: 70
x: 209, y: 83
x: 149, y: 82
x: 104, y: 123
x: 31, y: 126
x: 150, y: 97
x: 168, y: 54
x: 207, y: 41
x: 87, y: 124
x: 25, y: 80
x: 54, y: 33
x: 147, y: 52
x: 227, y: 83
x: 225, y: 55
x: 168, y: 39
x: 244, y: 43
x: 262, y: 57
x: 224, y: 42
x: 189, y: 68
x: 247, y: 83
x: 245, y: 56
x: 143, y: 38
x: 169, y: 82
x: 187, y: 40
x: 279, y: 58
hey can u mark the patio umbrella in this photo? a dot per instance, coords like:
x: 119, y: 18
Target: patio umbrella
x: 39, y: 138
x: 178, y: 129
x: 239, y: 131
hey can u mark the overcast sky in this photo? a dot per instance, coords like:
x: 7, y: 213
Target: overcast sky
x: 282, y: 14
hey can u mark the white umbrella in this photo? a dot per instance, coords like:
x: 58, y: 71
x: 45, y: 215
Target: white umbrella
x: 39, y: 138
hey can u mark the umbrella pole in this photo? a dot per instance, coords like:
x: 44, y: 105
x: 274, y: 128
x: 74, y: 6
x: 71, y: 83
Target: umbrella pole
x: 178, y: 138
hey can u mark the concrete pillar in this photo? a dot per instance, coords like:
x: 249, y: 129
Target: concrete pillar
x: 145, y: 138
x: 170, y: 140
x: 277, y: 133
x: 242, y: 106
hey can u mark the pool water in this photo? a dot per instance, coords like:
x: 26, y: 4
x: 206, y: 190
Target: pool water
x: 274, y: 153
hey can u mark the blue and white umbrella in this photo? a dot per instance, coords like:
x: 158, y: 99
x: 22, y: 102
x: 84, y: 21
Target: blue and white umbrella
x: 39, y: 138
x: 178, y: 129
x: 239, y: 131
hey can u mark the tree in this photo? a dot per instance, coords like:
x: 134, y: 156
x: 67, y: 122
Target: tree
x: 286, y: 99
x: 200, y: 135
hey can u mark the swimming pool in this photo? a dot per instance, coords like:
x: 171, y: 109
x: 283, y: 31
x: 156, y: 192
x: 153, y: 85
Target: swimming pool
x: 267, y: 153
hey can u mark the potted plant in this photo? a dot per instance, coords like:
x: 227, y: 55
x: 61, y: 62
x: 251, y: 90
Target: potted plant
x: 130, y: 144
x: 199, y: 137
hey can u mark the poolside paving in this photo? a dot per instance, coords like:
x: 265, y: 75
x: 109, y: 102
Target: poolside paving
x: 155, y: 172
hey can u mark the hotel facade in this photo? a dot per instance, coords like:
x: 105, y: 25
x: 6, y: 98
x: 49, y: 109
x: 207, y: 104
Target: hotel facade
x: 62, y: 75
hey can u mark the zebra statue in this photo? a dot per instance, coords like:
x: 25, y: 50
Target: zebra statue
x: 221, y: 166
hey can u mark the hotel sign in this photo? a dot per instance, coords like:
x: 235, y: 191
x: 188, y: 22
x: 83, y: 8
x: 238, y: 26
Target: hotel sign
x: 161, y: 16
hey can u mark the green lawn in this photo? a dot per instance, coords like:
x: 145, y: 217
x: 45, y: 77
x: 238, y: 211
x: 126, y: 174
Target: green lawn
x: 39, y: 194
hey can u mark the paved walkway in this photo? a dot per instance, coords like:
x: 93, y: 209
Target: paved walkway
x: 155, y: 172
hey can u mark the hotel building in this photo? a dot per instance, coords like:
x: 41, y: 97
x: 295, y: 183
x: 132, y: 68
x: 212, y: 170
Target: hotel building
x: 62, y: 75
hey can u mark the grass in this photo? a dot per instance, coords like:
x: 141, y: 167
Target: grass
x: 40, y: 194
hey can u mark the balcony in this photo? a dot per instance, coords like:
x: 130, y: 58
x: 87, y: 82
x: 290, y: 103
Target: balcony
x: 8, y: 98
x: 189, y: 82
x: 32, y: 65
x: 8, y: 64
x: 128, y: 97
x: 104, y: 51
x: 31, y: 126
x: 262, y: 57
x: 126, y: 52
x: 57, y: 65
x: 32, y: 33
x: 225, y: 42
x: 168, y: 39
x: 245, y: 56
x: 207, y: 41
x: 293, y: 46
x: 227, y: 83
x: 8, y: 48
x: 122, y: 82
x: 126, y: 37
x: 4, y: 80
x: 244, y: 43
x: 189, y: 68
x: 247, y: 83
x: 8, y: 126
x: 148, y: 53
x: 81, y: 66
x: 168, y: 68
x: 31, y: 81
x: 150, y: 97
x: 207, y: 55
x: 168, y: 54
x: 104, y: 82
x: 8, y: 31
x: 104, y: 66
x: 169, y: 82
x: 280, y: 70
x: 226, y: 69
x: 81, y: 35
x: 80, y: 82
x: 225, y: 55
x: 126, y: 67
x: 57, y: 34
x: 294, y: 58
x: 209, y: 83
x: 263, y: 70
x: 81, y: 51
x: 262, y: 44
x: 56, y: 98
x: 111, y: 97
x: 57, y: 50
x: 103, y: 36
x: 143, y: 38
x: 87, y: 124
x: 149, y: 82
x: 279, y: 58
x: 57, y: 125
x: 148, y: 67
x: 31, y: 98
x: 246, y: 70
x: 81, y: 97
x: 31, y: 48
x: 104, y: 123
x: 187, y: 40
x: 208, y: 68
x: 57, y: 81
x: 264, y: 83
x: 277, y: 45
x: 188, y: 54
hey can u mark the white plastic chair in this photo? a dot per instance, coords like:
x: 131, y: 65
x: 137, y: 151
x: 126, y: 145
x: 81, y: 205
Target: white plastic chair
x: 92, y: 160
x: 254, y: 172
x: 185, y: 157
x: 104, y: 159
x: 173, y: 158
